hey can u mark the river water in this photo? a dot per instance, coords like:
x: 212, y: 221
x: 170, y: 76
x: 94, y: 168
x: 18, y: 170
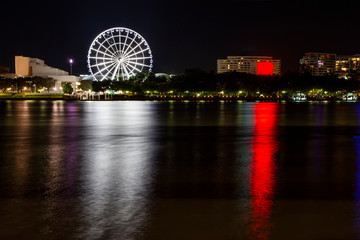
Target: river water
x: 179, y: 170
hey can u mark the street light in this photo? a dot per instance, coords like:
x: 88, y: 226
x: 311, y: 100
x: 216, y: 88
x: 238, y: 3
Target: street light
x: 71, y: 61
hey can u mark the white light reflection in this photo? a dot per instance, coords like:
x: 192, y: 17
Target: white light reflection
x: 22, y: 146
x: 118, y: 169
x: 245, y: 121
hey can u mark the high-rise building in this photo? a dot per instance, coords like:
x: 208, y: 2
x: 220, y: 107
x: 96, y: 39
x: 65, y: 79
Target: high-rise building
x: 322, y: 64
x: 347, y: 66
x: 260, y: 65
x: 318, y: 64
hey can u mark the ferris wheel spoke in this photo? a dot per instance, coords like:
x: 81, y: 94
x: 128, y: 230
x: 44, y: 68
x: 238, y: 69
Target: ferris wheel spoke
x: 110, y: 70
x: 135, y: 47
x: 110, y: 42
x: 137, y: 63
x: 126, y: 72
x: 137, y: 58
x: 99, y: 64
x: 122, y: 71
x: 101, y: 45
x: 130, y: 68
x: 105, y: 68
x: 103, y: 58
x: 134, y: 67
x: 111, y: 53
x: 104, y: 53
x: 112, y: 35
x: 138, y: 52
x: 124, y: 43
x: 116, y: 69
x: 132, y: 40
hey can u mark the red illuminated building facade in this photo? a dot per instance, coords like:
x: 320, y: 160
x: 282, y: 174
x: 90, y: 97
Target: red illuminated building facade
x: 259, y: 65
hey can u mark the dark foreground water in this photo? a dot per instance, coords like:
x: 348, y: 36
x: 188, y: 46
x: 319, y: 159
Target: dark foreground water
x: 170, y: 170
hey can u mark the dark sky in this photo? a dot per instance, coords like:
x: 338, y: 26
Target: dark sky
x: 181, y: 33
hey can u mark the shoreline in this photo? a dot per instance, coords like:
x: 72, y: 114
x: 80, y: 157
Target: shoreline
x: 165, y: 98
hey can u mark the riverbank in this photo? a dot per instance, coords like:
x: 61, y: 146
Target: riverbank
x: 32, y: 96
x: 115, y: 97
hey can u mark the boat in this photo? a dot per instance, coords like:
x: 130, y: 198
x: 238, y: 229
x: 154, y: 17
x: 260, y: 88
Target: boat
x: 350, y: 97
x: 298, y: 97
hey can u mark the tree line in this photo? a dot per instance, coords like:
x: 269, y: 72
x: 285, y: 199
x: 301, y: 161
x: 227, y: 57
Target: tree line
x: 193, y: 81
x: 34, y: 84
x: 197, y: 80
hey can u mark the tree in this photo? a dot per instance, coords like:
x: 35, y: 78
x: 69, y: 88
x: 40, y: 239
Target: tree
x: 4, y: 84
x: 67, y: 88
x: 86, y: 85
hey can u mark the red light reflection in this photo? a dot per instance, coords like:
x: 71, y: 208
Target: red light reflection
x: 262, y: 179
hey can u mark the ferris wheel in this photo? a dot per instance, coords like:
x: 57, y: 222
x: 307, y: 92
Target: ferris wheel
x: 119, y: 53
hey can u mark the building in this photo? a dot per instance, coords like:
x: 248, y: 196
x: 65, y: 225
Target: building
x: 348, y: 66
x: 259, y: 65
x: 26, y: 66
x: 323, y: 64
x: 318, y: 64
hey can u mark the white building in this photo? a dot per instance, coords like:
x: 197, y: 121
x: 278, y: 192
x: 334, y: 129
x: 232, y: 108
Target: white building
x: 26, y: 66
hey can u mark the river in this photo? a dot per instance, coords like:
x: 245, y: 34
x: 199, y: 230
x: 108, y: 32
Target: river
x: 179, y: 170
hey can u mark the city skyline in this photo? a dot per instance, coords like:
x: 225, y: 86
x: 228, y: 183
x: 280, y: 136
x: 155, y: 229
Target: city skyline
x: 182, y: 34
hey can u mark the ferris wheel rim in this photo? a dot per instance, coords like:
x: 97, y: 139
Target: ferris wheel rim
x: 119, y: 57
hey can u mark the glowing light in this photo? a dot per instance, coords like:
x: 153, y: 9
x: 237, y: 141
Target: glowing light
x: 265, y: 68
x: 262, y: 179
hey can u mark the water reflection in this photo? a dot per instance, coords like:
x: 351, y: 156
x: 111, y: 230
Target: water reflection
x: 170, y: 170
x: 357, y: 183
x: 21, y: 147
x: 118, y: 169
x: 262, y: 176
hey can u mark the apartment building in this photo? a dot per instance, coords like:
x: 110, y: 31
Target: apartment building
x: 259, y: 65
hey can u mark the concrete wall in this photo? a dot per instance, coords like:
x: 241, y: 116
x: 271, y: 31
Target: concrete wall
x: 66, y: 78
x: 44, y: 71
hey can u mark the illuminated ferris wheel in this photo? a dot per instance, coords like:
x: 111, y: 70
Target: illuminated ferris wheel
x: 118, y: 53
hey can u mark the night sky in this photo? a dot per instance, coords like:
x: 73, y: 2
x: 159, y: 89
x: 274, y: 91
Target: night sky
x: 181, y: 33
